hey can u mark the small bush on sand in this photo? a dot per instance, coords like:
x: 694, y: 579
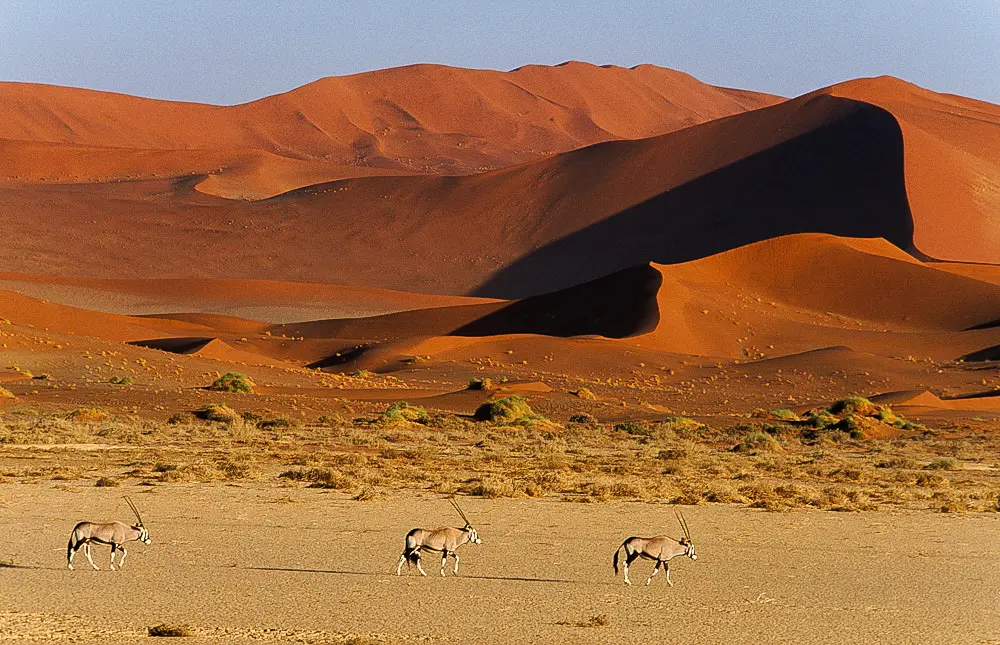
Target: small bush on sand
x: 233, y: 382
x: 217, y: 412
x: 107, y: 482
x: 785, y: 415
x: 320, y: 478
x: 758, y: 441
x: 89, y: 415
x: 601, y: 620
x: 946, y: 463
x: 585, y: 394
x: 120, y: 380
x: 634, y: 428
x: 171, y: 631
x: 583, y: 417
x: 510, y: 409
x: 6, y: 394
x: 854, y: 405
x: 273, y: 423
x: 402, y: 411
x: 484, y: 384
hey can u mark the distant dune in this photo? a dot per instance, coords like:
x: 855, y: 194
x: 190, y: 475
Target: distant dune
x: 426, y: 119
x: 868, y: 158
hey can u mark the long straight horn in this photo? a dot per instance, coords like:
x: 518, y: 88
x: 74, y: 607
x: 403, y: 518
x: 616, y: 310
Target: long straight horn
x: 680, y: 520
x: 687, y: 531
x: 134, y: 510
x: 459, y: 509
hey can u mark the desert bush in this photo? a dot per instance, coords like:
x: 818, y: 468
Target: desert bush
x: 120, y: 380
x: 235, y: 467
x: 635, y: 429
x: 6, y: 394
x: 274, y: 423
x: 757, y: 441
x: 585, y: 395
x: 786, y: 415
x: 89, y: 415
x: 320, y: 478
x: 180, y: 417
x: 171, y: 631
x: 583, y: 417
x: 233, y: 382
x: 367, y: 494
x: 219, y: 412
x: 107, y: 482
x: 854, y: 405
x: 898, y: 462
x: 945, y: 463
x: 494, y: 487
x: 484, y: 384
x: 510, y: 409
x: 401, y: 411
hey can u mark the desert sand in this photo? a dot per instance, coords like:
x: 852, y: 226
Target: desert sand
x: 250, y: 564
x: 782, y: 315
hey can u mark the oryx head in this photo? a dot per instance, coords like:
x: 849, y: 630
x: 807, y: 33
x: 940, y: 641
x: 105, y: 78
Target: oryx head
x: 138, y: 526
x: 473, y: 534
x: 686, y: 540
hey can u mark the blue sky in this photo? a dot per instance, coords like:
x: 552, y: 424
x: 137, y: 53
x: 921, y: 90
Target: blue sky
x: 231, y: 51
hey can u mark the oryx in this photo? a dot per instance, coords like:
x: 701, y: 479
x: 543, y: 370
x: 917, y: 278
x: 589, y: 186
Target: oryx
x: 114, y: 533
x: 660, y: 549
x: 445, y: 539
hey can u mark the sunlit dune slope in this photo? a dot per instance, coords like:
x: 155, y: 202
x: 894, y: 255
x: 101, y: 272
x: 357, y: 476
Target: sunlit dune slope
x: 952, y: 166
x: 421, y: 118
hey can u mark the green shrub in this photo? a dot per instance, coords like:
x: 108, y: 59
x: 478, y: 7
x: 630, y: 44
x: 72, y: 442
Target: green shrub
x: 758, y: 441
x: 585, y: 394
x: 510, y: 409
x: 854, y: 405
x: 634, y: 429
x: 6, y: 394
x: 217, y: 412
x: 583, y: 417
x: 403, y: 411
x: 120, y: 380
x: 787, y: 415
x: 233, y: 382
x: 484, y: 384
x: 945, y: 463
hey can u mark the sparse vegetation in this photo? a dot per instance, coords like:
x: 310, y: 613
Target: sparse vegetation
x: 120, y: 380
x: 401, y: 411
x: 171, y: 631
x: 107, y: 482
x: 6, y: 394
x: 585, y: 395
x: 219, y: 412
x: 508, y: 410
x: 233, y: 382
x: 484, y: 384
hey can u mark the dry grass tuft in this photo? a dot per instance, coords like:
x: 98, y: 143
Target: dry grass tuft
x: 107, y: 482
x: 89, y: 415
x: 6, y: 394
x: 171, y: 631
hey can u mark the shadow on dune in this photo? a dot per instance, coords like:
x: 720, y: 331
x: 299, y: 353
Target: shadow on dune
x: 843, y: 178
x: 615, y: 306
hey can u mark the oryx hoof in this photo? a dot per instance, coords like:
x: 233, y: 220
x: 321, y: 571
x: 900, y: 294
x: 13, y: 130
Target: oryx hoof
x: 70, y: 566
x: 628, y: 583
x: 648, y: 581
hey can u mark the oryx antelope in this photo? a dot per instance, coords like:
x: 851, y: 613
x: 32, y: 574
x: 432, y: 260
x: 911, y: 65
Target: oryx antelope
x: 115, y: 534
x: 660, y: 549
x: 444, y: 540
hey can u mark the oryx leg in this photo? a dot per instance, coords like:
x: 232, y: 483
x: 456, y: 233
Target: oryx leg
x: 86, y: 552
x: 656, y: 568
x: 114, y: 549
x: 121, y: 563
x: 666, y: 570
x: 455, y: 555
x: 444, y: 561
x: 629, y: 559
x: 416, y: 560
x: 72, y: 552
x: 402, y: 559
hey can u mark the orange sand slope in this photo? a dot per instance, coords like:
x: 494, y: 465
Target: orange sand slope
x: 422, y: 118
x: 785, y: 295
x: 824, y: 162
x: 275, y: 302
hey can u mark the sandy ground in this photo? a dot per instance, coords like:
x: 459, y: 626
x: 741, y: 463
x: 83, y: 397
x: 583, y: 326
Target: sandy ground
x: 251, y: 564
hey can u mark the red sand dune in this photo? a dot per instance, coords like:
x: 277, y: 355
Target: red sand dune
x: 421, y: 118
x: 275, y: 302
x: 820, y: 163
